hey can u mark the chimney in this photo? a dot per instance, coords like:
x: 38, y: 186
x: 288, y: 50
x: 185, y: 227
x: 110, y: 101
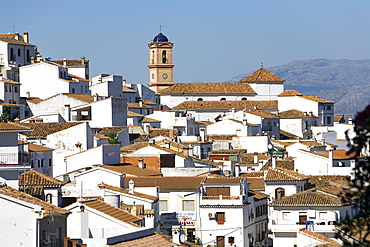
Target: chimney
x: 140, y: 162
x: 350, y: 121
x: 26, y: 147
x: 26, y: 37
x: 311, y: 113
x: 140, y: 102
x: 64, y: 62
x: 202, y: 134
x: 32, y: 60
x: 131, y: 186
x: 188, y: 151
x: 83, y: 60
x: 96, y: 97
x: 67, y: 113
x: 255, y: 157
x: 16, y: 36
x: 147, y: 128
x: 330, y: 156
x: 38, y: 57
x: 273, y: 161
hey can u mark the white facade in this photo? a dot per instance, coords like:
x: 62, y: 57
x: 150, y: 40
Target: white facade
x: 298, y: 126
x: 267, y: 90
x: 106, y: 85
x: 232, y: 127
x: 45, y: 79
x: 252, y: 144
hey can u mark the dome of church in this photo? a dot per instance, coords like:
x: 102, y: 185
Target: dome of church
x: 160, y: 38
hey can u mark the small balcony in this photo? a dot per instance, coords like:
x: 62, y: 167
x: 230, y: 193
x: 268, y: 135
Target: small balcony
x: 14, y: 159
x: 289, y: 226
x: 223, y: 200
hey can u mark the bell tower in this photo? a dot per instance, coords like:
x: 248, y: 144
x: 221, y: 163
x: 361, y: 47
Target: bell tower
x: 160, y: 63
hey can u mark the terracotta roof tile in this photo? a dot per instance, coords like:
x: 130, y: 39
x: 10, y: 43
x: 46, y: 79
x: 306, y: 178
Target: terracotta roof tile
x: 262, y: 75
x: 112, y: 211
x: 288, y: 135
x: 220, y: 137
x: 286, y: 164
x: 13, y: 126
x: 131, y: 170
x: 262, y: 113
x: 228, y: 151
x: 337, y: 154
x: 316, y: 99
x: 45, y: 129
x: 295, y: 114
x: 114, y: 130
x: 163, y: 132
x: 81, y: 96
x: 33, y: 182
x: 279, y: 174
x: 134, y: 147
x: 155, y: 240
x: 223, y: 180
x: 258, y: 195
x: 10, y: 81
x: 312, y: 197
x: 256, y: 183
x: 34, y: 100
x: 147, y: 102
x: 150, y: 120
x: 35, y: 148
x: 327, y: 179
x: 317, y: 236
x: 250, y: 175
x: 125, y: 191
x: 49, y: 208
x: 168, y: 183
x: 127, y: 89
x: 134, y: 114
x: 227, y: 105
x: 290, y: 93
x: 14, y: 41
x: 209, y: 88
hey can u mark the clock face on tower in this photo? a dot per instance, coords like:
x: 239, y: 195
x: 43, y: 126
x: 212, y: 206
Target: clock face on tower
x: 165, y: 76
x: 153, y: 75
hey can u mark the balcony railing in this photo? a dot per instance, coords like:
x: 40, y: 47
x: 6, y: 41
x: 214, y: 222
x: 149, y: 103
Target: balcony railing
x: 14, y: 158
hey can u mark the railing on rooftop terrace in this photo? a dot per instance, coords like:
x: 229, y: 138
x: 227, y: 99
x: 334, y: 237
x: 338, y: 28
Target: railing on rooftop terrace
x: 9, y: 159
x: 221, y: 197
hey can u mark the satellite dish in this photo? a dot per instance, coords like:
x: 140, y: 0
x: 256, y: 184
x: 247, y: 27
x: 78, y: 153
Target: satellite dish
x: 182, y: 238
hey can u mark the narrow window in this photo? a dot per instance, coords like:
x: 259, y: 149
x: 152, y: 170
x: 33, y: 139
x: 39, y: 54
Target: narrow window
x: 49, y: 162
x: 279, y: 193
x: 164, y: 56
x: 48, y: 198
x: 12, y: 57
x: 19, y: 52
x: 15, y: 89
x: 163, y: 205
x: 244, y: 98
x: 188, y: 205
x: 28, y: 56
x: 200, y: 99
x: 222, y: 99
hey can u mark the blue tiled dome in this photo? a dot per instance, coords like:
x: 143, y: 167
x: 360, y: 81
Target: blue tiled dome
x: 160, y: 38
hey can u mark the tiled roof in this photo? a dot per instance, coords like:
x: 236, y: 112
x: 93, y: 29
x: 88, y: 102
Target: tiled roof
x: 150, y: 120
x: 49, y: 208
x: 102, y: 137
x: 288, y: 135
x: 34, y: 182
x: 112, y: 211
x: 248, y: 158
x: 125, y: 191
x: 114, y: 130
x: 45, y: 129
x: 312, y: 197
x: 77, y: 77
x: 284, y: 174
x: 320, y: 181
x: 262, y: 75
x: 316, y: 99
x: 34, y: 100
x: 137, y: 105
x: 132, y: 170
x: 252, y: 175
x: 209, y: 88
x: 35, y: 148
x: 134, y: 147
x: 258, y: 195
x: 295, y: 114
x: 223, y: 180
x: 14, y: 41
x: 220, y: 137
x: 173, y: 145
x: 206, y: 123
x: 290, y: 93
x: 285, y: 163
x: 13, y: 126
x: 256, y: 183
x: 337, y: 154
x: 127, y: 89
x: 262, y: 113
x: 147, y: 102
x: 10, y: 81
x: 168, y: 183
x: 81, y: 96
x: 316, y: 236
x: 156, y: 240
x: 227, y: 105
x: 134, y: 114
x: 135, y: 137
x: 71, y: 62
x: 227, y: 151
x: 162, y: 132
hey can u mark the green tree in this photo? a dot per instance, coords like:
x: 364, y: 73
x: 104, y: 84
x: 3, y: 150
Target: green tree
x: 113, y: 138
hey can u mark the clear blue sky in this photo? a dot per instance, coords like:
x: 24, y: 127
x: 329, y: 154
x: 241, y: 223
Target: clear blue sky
x: 213, y: 40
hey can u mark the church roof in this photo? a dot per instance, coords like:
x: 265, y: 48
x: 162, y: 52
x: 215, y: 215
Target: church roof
x: 160, y: 38
x: 209, y: 88
x: 262, y: 75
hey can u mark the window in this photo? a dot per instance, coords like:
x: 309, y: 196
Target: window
x: 244, y: 98
x: 6, y: 88
x: 302, y: 218
x: 279, y: 193
x: 328, y: 107
x: 15, y: 89
x: 49, y: 198
x: 323, y: 215
x: 164, y: 56
x: 32, y: 165
x: 73, y: 90
x: 163, y: 205
x: 49, y: 162
x: 328, y: 120
x: 199, y: 99
x: 286, y: 215
x: 19, y: 52
x: 12, y: 57
x: 10, y: 88
x: 28, y: 56
x: 220, y: 217
x: 222, y: 99
x: 188, y: 205
x: 38, y: 163
x: 42, y: 162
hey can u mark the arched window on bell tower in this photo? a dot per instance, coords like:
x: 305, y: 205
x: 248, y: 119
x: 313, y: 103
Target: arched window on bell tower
x: 152, y: 57
x: 164, y: 56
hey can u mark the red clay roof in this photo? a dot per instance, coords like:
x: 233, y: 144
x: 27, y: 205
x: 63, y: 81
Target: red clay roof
x: 13, y: 126
x: 45, y: 129
x: 209, y: 88
x: 125, y: 191
x: 262, y: 75
x: 227, y: 105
